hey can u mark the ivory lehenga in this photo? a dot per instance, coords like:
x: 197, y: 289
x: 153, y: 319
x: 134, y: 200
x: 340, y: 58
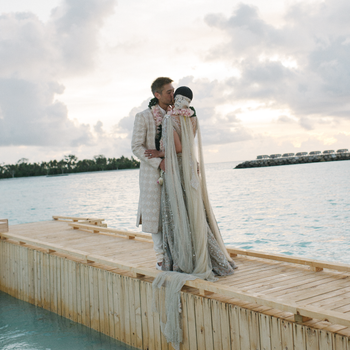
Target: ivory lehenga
x: 193, y: 246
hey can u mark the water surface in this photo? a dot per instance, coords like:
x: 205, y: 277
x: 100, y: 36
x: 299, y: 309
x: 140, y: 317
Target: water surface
x: 300, y: 210
x: 26, y: 327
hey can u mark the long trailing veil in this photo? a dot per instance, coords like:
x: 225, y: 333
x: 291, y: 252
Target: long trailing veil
x: 191, y: 215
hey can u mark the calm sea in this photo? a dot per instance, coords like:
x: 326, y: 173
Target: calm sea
x: 300, y: 210
x: 26, y: 327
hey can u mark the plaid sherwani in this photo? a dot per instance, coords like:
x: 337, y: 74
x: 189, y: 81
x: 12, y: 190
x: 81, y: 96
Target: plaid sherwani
x: 143, y: 138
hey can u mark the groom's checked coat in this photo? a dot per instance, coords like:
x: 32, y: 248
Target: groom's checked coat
x: 143, y: 138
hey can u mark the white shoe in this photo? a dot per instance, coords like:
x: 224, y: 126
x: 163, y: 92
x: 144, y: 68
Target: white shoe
x: 158, y: 267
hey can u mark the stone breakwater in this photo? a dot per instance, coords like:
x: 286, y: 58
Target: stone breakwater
x: 256, y: 163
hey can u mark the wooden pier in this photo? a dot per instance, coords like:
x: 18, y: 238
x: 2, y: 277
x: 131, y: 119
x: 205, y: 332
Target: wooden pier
x: 102, y: 278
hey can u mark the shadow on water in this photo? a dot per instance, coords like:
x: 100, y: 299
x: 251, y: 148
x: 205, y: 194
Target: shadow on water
x: 24, y: 326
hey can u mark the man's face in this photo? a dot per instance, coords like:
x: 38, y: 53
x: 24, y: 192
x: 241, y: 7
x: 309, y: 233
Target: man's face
x: 166, y: 97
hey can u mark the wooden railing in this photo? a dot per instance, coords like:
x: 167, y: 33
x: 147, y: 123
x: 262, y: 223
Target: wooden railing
x: 89, y: 221
x: 315, y: 265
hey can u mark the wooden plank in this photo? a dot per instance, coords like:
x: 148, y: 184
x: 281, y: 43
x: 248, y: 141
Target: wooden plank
x: 162, y: 317
x: 94, y: 305
x: 311, y: 339
x: 8, y: 268
x: 31, y: 291
x: 45, y: 269
x: 111, y: 231
x: 57, y: 217
x: 276, y: 337
x: 117, y: 305
x: 325, y: 340
x: 340, y: 342
x: 73, y: 278
x: 264, y: 328
x: 59, y: 276
x: 287, y: 335
x: 37, y: 276
x: 19, y: 273
x: 144, y: 316
x: 40, y: 244
x: 184, y: 326
x: 244, y: 328
x: 192, y: 321
x: 299, y: 336
x: 296, y: 285
x: 103, y: 302
x: 235, y: 331
x: 215, y: 315
x: 85, y: 295
x: 156, y: 324
x: 200, y: 329
x: 289, y: 259
x: 110, y: 304
x: 323, y: 299
x: 53, y: 284
x: 2, y: 266
x: 138, y: 313
x: 24, y: 273
x: 132, y: 311
x: 78, y: 267
x: 309, y: 288
x: 254, y: 330
x: 147, y: 289
x: 208, y: 323
x: 66, y: 296
x: 225, y: 325
x: 15, y: 273
x: 126, y: 307
x: 270, y: 281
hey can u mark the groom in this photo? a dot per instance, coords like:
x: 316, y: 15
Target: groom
x: 146, y: 136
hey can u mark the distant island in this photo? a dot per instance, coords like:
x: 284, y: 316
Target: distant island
x: 69, y: 164
x: 299, y: 158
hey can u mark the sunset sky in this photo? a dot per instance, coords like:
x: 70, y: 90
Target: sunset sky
x: 267, y: 76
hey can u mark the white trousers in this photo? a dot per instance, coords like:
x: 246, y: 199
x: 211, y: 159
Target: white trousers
x: 158, y: 245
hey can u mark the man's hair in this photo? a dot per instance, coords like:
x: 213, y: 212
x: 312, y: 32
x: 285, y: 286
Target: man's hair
x: 157, y: 85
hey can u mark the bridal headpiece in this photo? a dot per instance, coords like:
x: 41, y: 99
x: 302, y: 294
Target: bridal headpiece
x: 183, y: 97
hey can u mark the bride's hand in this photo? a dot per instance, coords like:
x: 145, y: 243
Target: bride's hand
x: 153, y: 153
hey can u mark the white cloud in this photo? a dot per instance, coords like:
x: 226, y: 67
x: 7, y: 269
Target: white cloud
x: 312, y: 37
x: 35, y: 56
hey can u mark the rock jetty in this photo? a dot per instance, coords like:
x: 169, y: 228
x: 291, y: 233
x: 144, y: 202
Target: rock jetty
x: 299, y: 158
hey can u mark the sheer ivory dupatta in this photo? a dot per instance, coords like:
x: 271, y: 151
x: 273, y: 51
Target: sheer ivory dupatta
x: 190, y: 224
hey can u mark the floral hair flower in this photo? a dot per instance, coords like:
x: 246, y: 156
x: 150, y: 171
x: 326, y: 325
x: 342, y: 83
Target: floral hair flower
x: 186, y: 112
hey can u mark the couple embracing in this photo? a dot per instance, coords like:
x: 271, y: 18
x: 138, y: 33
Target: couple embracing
x: 174, y: 204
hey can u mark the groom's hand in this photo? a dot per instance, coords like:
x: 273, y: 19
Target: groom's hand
x: 153, y: 153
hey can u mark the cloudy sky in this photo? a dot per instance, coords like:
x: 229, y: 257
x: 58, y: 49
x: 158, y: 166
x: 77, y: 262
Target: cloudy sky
x: 267, y: 76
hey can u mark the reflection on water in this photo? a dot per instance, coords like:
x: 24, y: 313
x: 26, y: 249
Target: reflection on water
x: 300, y: 210
x: 26, y: 327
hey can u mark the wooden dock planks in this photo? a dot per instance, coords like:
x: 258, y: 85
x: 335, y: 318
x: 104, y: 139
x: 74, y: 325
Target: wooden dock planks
x: 113, y: 300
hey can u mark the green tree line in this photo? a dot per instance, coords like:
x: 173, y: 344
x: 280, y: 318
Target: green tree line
x: 69, y: 164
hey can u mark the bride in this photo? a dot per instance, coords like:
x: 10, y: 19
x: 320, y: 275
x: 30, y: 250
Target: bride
x: 192, y: 242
